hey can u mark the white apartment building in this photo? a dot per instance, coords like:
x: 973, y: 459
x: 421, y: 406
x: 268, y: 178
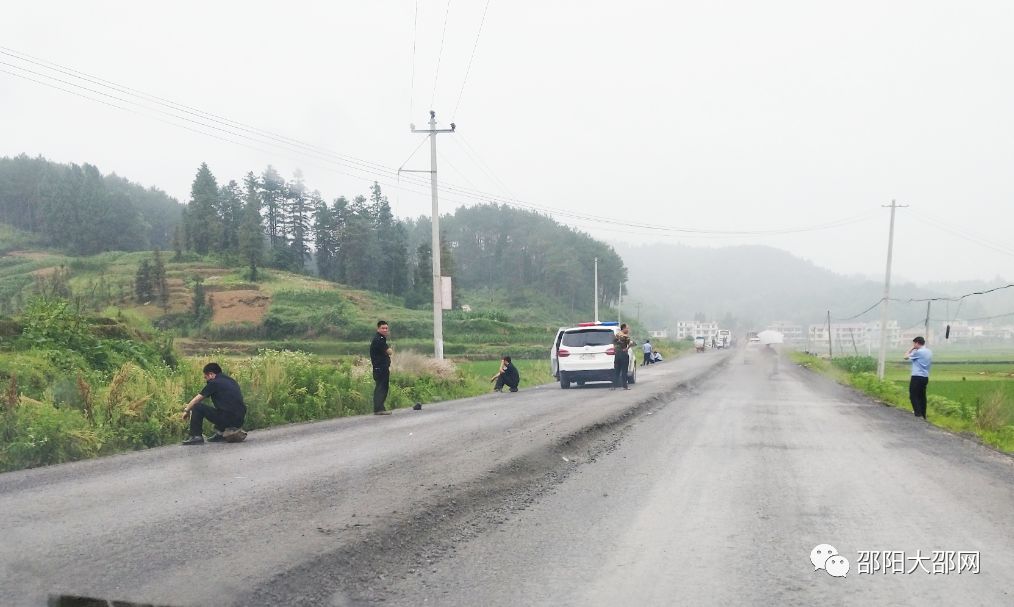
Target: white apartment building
x: 695, y: 328
x: 852, y: 338
x: 791, y: 332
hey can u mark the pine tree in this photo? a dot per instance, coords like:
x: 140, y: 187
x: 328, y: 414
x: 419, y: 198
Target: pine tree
x: 199, y: 306
x: 324, y: 235
x: 159, y: 280
x: 204, y: 227
x: 143, y: 286
x: 297, y: 221
x: 231, y: 213
x: 271, y: 192
x: 178, y: 242
x: 251, y: 234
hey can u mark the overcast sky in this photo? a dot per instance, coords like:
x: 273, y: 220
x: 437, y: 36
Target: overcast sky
x: 722, y: 116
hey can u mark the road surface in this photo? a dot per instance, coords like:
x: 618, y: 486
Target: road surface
x: 709, y: 482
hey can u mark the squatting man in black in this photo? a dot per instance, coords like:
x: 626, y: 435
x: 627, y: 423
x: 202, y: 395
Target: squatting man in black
x: 227, y: 415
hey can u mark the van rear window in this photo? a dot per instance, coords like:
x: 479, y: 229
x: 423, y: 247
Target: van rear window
x: 587, y: 337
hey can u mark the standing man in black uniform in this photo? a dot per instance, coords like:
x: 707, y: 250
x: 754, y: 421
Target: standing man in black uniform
x: 621, y: 357
x: 380, y: 357
x: 227, y: 414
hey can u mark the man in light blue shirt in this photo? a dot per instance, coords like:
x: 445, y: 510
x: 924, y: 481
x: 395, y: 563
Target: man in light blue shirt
x: 922, y: 358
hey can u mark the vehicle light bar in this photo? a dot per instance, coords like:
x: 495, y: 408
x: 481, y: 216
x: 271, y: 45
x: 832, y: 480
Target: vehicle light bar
x: 609, y: 323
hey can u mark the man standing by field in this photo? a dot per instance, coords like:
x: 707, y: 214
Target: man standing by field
x: 227, y: 414
x: 922, y: 358
x: 647, y: 353
x: 380, y: 357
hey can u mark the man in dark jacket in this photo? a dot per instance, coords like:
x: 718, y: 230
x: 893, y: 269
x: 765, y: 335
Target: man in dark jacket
x: 380, y: 357
x: 227, y: 415
x: 507, y: 376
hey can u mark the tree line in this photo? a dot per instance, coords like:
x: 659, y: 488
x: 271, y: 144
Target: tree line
x: 268, y: 221
x: 77, y: 209
x: 360, y: 243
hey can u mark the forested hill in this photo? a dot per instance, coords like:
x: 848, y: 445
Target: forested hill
x: 507, y: 257
x: 528, y: 256
x: 77, y: 209
x: 749, y: 286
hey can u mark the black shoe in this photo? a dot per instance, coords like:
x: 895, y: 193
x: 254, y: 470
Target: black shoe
x: 514, y: 389
x: 217, y: 437
x: 417, y: 407
x: 194, y: 440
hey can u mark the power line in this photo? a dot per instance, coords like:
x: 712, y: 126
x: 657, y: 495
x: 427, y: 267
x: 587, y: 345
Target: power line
x: 411, y: 88
x: 964, y: 234
x: 472, y: 56
x: 955, y: 319
x: 374, y: 170
x: 958, y: 298
x: 440, y: 54
x: 917, y: 300
x: 477, y: 158
x: 853, y: 317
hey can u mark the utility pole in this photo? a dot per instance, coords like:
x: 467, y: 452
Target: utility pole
x: 438, y: 312
x: 925, y: 333
x: 596, y: 289
x: 887, y: 294
x: 638, y: 304
x: 830, y: 351
x: 619, y: 306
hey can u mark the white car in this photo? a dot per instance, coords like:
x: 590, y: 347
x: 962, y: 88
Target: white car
x: 585, y: 353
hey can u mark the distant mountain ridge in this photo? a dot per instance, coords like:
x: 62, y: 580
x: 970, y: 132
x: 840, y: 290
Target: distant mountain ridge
x: 750, y: 286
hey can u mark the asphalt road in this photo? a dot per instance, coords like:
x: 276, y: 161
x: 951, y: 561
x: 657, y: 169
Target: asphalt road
x: 709, y: 482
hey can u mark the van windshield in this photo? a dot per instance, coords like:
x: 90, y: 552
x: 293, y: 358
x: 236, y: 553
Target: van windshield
x: 587, y: 337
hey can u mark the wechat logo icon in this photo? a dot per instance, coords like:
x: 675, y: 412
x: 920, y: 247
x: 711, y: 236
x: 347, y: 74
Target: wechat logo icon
x: 826, y: 557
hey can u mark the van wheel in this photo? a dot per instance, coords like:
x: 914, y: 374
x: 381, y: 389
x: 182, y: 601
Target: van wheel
x: 580, y: 383
x: 564, y: 382
x: 632, y: 378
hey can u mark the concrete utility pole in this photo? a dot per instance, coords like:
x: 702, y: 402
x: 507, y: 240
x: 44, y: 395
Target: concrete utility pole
x: 830, y: 350
x: 925, y: 333
x: 619, y: 306
x: 438, y: 312
x: 887, y: 294
x: 596, y: 289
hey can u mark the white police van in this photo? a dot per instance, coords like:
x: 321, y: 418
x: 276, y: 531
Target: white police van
x: 585, y: 353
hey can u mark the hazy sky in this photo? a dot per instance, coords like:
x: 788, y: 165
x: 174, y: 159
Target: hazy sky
x: 732, y: 116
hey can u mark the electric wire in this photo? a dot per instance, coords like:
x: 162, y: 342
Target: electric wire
x: 966, y: 236
x: 440, y: 54
x: 376, y: 171
x: 855, y: 316
x: 411, y: 88
x: 470, y: 58
x: 959, y: 299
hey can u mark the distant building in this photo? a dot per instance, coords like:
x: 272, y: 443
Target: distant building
x: 860, y: 338
x: 696, y: 328
x: 659, y: 334
x: 791, y: 332
x: 963, y: 331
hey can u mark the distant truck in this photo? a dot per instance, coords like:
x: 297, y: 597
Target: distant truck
x: 723, y: 339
